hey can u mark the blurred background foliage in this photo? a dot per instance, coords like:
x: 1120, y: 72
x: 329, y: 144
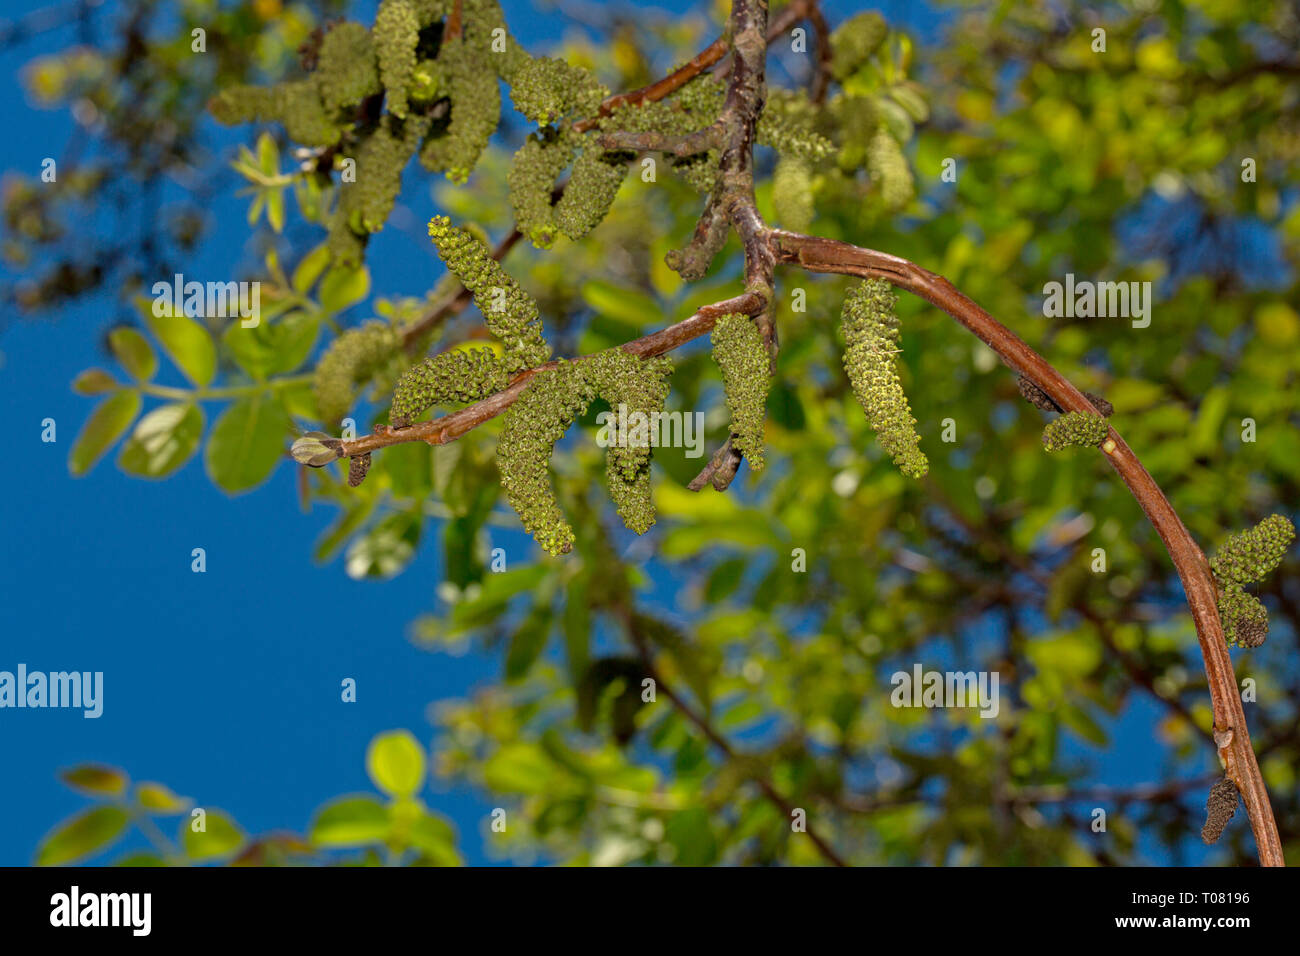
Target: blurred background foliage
x: 1125, y: 165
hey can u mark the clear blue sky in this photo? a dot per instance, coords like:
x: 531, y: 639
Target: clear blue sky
x: 211, y: 687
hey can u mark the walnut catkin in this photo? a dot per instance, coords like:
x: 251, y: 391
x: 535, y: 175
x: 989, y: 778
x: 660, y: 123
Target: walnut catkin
x: 1219, y: 809
x: 357, y: 468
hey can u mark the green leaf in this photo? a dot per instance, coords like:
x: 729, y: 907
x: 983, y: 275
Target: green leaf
x: 310, y: 268
x: 95, y: 779
x: 84, y: 834
x: 350, y: 821
x: 631, y: 307
x: 157, y: 798
x: 186, y: 343
x: 106, y: 424
x: 518, y: 768
x: 395, y: 762
x: 275, y: 209
x: 435, y: 838
x: 343, y: 287
x: 245, y: 444
x: 162, y: 441
x: 134, y: 352
x: 94, y: 381
x: 528, y: 642
x: 270, y: 347
x: 268, y: 155
x: 221, y: 838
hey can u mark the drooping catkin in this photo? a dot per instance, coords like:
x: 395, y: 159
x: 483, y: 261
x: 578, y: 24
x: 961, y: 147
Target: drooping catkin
x: 396, y: 35
x: 854, y: 41
x: 351, y: 360
x: 542, y: 414
x: 1244, y: 618
x: 475, y: 113
x: 871, y: 335
x: 1219, y: 809
x: 511, y: 313
x: 788, y: 125
x: 639, y: 388
x: 459, y: 375
x: 742, y: 358
x: 1250, y: 556
x: 1075, y: 428
x: 366, y: 203
x: 792, y: 196
x: 888, y: 168
x: 530, y: 428
x: 531, y: 179
x: 346, y: 71
x: 590, y: 193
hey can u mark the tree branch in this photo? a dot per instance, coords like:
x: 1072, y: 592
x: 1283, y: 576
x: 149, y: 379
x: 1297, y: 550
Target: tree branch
x: 1232, y: 738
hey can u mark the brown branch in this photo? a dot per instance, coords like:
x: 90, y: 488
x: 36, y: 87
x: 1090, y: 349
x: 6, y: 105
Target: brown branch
x: 448, y: 428
x: 821, y: 78
x: 1231, y: 735
x: 454, y: 21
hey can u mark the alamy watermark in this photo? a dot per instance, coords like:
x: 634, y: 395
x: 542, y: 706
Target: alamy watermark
x: 242, y: 300
x: 1101, y: 300
x: 922, y: 688
x: 75, y: 908
x: 624, y: 429
x: 78, y: 690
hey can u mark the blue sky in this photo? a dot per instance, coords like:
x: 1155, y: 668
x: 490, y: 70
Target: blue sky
x: 212, y: 686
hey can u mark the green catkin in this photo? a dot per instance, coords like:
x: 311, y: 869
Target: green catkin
x: 296, y: 106
x: 475, y: 113
x: 856, y: 119
x: 531, y: 181
x: 381, y: 158
x: 1250, y: 556
x: 459, y: 375
x: 545, y: 89
x: 1244, y: 618
x: 345, y: 246
x: 511, y: 313
x: 742, y: 358
x: 592, y: 187
x: 854, y: 41
x: 1220, y: 808
x: 639, y: 387
x: 530, y: 428
x: 788, y: 125
x: 1075, y: 428
x: 792, y: 196
x: 350, y: 360
x: 888, y: 168
x: 541, y: 416
x: 871, y: 335
x: 700, y: 172
x: 346, y: 72
x: 396, y: 36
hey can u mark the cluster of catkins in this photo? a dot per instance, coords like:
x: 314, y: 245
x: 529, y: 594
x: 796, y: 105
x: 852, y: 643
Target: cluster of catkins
x: 1248, y: 557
